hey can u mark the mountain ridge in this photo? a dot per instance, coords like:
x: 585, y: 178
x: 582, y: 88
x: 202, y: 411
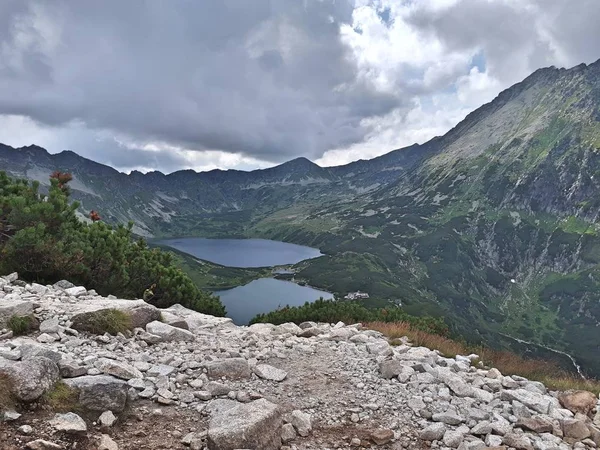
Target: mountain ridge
x: 493, y: 225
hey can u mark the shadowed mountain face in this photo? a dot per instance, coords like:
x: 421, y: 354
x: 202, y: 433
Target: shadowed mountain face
x: 493, y: 225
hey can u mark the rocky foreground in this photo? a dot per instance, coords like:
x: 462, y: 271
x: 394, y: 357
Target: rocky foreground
x: 182, y: 379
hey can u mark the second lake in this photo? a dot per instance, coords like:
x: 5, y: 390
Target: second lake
x: 265, y: 295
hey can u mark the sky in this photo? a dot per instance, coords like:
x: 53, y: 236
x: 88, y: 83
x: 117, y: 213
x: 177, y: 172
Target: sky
x: 239, y: 84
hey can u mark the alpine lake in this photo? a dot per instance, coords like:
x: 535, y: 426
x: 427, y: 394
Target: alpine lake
x: 258, y: 296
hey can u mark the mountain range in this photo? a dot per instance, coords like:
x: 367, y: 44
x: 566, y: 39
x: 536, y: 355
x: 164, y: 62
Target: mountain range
x: 493, y: 225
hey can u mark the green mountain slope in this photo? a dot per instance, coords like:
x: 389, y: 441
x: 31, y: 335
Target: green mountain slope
x: 493, y: 225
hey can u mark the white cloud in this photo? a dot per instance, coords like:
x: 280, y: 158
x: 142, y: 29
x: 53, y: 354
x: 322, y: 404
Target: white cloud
x: 250, y: 86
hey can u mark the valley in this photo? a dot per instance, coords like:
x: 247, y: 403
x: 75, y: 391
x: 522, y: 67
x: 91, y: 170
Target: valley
x: 492, y: 226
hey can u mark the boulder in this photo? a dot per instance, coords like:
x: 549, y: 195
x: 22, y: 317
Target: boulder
x: 576, y: 429
x: 106, y: 443
x: 578, y: 401
x: 246, y: 425
x: 76, y: 291
x: 30, y: 378
x: 63, y: 284
x: 69, y: 423
x: 107, y: 419
x: 232, y: 368
x: 302, y: 422
x: 118, y: 369
x: 288, y: 433
x: 142, y: 314
x: 381, y: 436
x: 390, y: 368
x: 448, y: 417
x: 173, y: 320
x: 41, y: 444
x: 169, y: 333
x: 159, y: 370
x: 13, y: 307
x: 517, y: 441
x: 33, y: 350
x: 532, y: 400
x: 535, y: 424
x: 100, y: 392
x: 197, y: 321
x: 70, y: 369
x: 433, y: 432
x: 267, y: 372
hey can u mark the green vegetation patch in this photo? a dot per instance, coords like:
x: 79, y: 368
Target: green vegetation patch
x: 21, y: 325
x: 43, y: 240
x: 332, y: 311
x: 62, y: 398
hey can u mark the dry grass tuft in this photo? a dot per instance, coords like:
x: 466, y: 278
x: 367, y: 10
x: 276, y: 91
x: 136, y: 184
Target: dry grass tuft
x: 548, y: 372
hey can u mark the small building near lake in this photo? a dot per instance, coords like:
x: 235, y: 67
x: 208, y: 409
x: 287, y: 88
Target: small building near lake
x: 356, y: 295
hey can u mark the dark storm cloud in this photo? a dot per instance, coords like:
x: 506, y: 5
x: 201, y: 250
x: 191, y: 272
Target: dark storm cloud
x: 266, y: 78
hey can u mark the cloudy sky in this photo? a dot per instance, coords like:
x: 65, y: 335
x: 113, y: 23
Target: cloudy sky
x: 152, y: 84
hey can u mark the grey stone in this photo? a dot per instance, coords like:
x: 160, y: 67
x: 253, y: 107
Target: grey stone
x: 301, y: 422
x: 533, y: 400
x: 69, y: 423
x: 70, y: 369
x: 482, y: 428
x: 160, y: 370
x: 246, y: 425
x: 169, y: 333
x: 63, y: 284
x: 232, y: 368
x: 107, y: 419
x: 268, y: 372
x: 448, y: 417
x: 10, y: 416
x: 100, y: 392
x: 106, y: 443
x: 76, y: 291
x: 390, y: 368
x: 49, y: 325
x: 30, y: 378
x: 217, y: 389
x: 452, y: 438
x: 576, y: 429
x: 518, y: 442
x: 25, y: 429
x: 41, y: 444
x: 433, y: 432
x: 9, y: 308
x: 118, y: 369
x: 33, y: 351
x: 288, y: 433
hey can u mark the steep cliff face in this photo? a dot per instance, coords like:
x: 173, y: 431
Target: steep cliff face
x: 493, y: 225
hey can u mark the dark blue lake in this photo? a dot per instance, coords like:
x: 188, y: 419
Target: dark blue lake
x: 243, y: 252
x: 264, y: 295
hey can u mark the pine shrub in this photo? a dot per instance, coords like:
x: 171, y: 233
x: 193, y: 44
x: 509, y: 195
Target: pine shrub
x: 42, y: 239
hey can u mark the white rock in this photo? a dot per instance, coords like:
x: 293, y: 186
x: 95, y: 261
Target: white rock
x: 268, y: 372
x: 107, y: 419
x: 69, y: 423
x: 76, y: 291
x: 301, y: 422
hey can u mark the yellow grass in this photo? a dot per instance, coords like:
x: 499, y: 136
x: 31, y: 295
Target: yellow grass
x: 548, y: 372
